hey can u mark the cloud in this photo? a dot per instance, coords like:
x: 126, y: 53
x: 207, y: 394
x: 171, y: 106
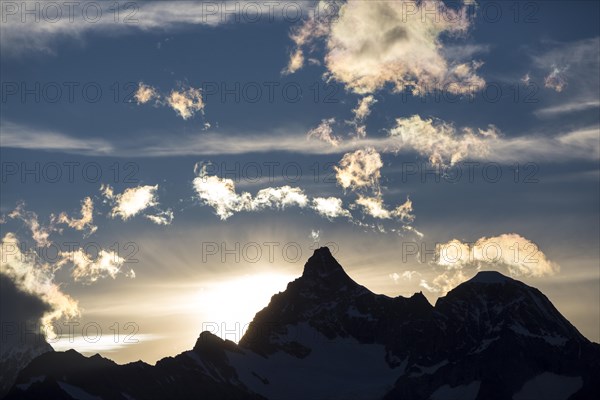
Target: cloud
x: 510, y: 253
x: 444, y: 282
x: 440, y: 141
x: 135, y: 200
x: 330, y: 207
x: 579, y: 144
x: 40, y: 234
x: 566, y: 108
x: 305, y: 34
x: 544, y: 146
x: 406, y: 275
x: 78, y: 19
x: 315, y: 235
x: 374, y: 207
x: 88, y: 269
x: 359, y: 170
x: 132, y: 201
x: 24, y: 137
x: 186, y: 102
x: 324, y: 132
x: 279, y: 198
x: 361, y: 112
x: 371, y: 44
x: 145, y: 93
x: 162, y: 217
x: 104, y: 344
x: 296, y: 62
x: 221, y: 195
x: 583, y: 139
x: 36, y: 279
x: 17, y: 305
x: 556, y: 79
x: 570, y: 68
x: 86, y: 222
x: 363, y: 109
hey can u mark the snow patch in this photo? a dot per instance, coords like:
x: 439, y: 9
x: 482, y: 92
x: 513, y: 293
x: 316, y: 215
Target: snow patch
x: 550, y: 339
x: 428, y: 370
x: 354, y: 313
x: 341, y: 368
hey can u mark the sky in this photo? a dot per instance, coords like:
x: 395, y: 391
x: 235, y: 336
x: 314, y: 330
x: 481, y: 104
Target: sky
x: 169, y: 166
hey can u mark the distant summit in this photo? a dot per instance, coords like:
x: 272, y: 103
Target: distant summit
x: 327, y: 337
x: 490, y: 277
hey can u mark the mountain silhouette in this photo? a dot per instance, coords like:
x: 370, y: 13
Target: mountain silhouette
x: 327, y: 337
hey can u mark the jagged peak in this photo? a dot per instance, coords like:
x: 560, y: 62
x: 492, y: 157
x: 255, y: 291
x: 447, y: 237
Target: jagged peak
x: 207, y: 338
x: 420, y: 297
x: 322, y: 264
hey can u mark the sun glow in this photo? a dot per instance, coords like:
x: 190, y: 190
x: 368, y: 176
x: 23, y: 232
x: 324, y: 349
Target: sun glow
x: 230, y: 305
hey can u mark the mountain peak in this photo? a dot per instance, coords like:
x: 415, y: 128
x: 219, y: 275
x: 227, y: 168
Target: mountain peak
x: 323, y: 270
x: 490, y: 277
x: 322, y: 264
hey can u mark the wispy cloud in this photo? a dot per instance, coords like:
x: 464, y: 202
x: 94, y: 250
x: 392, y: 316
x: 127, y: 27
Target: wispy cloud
x: 570, y: 68
x: 534, y: 146
x: 324, y: 132
x: 78, y: 19
x: 566, y: 108
x: 24, y: 137
x: 85, y: 223
x: 39, y: 233
x: 556, y: 79
x: 104, y: 343
x: 374, y: 207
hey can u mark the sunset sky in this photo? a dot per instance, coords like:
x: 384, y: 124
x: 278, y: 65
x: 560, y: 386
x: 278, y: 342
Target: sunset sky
x: 168, y: 166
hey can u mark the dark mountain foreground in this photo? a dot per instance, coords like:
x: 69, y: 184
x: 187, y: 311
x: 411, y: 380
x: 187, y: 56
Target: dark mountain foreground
x: 327, y: 337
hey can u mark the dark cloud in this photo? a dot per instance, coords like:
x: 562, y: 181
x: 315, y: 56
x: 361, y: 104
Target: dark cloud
x: 18, y: 309
x: 20, y: 315
x: 18, y: 305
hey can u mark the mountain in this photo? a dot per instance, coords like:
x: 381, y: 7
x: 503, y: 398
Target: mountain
x: 14, y: 356
x: 21, y: 340
x: 327, y: 337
